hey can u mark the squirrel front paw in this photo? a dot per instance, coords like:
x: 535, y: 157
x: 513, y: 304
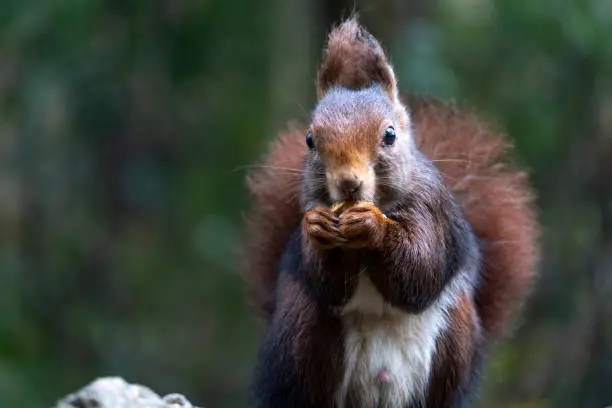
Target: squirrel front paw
x: 363, y: 226
x: 321, y: 227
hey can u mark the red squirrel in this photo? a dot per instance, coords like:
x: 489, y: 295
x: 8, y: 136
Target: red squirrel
x: 392, y: 299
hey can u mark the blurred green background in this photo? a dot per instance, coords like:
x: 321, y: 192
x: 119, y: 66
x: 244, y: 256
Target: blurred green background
x: 125, y: 129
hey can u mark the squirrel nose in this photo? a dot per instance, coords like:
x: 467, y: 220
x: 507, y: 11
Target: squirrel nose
x: 349, y: 186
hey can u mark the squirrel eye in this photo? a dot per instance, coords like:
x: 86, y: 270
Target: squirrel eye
x: 309, y: 141
x: 389, y: 137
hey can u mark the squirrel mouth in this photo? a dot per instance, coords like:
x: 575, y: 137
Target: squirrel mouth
x: 354, y: 196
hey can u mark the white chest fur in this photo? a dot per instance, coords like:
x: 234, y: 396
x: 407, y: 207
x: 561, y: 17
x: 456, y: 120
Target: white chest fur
x: 387, y: 353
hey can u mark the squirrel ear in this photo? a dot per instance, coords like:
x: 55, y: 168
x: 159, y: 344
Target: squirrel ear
x: 354, y: 59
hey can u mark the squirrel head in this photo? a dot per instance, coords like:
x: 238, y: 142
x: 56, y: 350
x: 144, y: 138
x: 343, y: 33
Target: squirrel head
x: 359, y: 138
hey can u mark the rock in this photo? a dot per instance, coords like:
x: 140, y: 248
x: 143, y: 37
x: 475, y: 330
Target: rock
x: 115, y: 392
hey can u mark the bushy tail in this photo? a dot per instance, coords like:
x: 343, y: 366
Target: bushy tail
x: 475, y: 161
x: 477, y: 165
x: 275, y: 188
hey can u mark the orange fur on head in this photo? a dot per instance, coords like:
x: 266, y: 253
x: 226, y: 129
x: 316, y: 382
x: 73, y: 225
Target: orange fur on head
x: 348, y: 146
x: 344, y: 143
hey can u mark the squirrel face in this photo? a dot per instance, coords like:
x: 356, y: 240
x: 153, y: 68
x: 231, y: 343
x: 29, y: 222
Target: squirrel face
x: 360, y: 142
x: 360, y: 147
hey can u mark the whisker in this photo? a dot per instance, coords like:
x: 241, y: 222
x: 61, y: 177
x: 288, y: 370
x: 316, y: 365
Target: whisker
x: 451, y: 161
x: 263, y: 166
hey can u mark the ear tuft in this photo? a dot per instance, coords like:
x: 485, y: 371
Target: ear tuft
x: 354, y: 59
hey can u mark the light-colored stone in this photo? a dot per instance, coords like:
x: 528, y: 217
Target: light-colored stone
x: 115, y: 392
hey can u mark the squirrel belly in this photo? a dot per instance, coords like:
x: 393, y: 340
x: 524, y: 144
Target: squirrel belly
x: 389, y: 354
x: 388, y: 246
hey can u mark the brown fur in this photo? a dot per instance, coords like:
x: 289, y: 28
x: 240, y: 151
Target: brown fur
x: 275, y: 187
x: 348, y: 144
x: 454, y: 354
x: 354, y: 59
x: 321, y: 370
x: 410, y: 254
x: 475, y: 163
